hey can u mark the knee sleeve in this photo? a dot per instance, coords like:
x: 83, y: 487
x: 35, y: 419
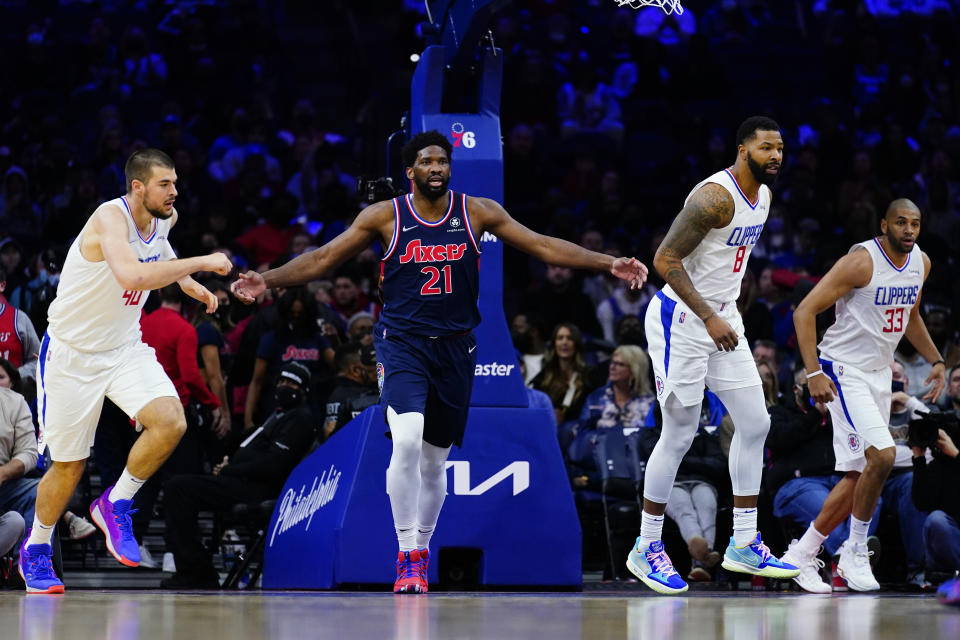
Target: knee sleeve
x: 751, y: 422
x: 679, y: 428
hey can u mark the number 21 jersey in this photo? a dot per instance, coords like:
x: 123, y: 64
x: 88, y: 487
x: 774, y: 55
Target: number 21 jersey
x: 871, y: 320
x: 429, y: 275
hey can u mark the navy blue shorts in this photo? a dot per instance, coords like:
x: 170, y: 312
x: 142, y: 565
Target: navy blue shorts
x: 432, y: 376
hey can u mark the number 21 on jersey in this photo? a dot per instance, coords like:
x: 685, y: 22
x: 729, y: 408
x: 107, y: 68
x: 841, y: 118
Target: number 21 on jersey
x: 430, y: 287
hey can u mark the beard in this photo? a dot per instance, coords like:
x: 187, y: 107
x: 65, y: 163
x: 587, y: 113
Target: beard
x: 156, y: 211
x: 760, y: 172
x: 430, y: 192
x: 897, y: 244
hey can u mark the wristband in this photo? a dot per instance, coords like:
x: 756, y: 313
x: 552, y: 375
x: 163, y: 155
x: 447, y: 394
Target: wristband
x: 818, y: 372
x: 939, y: 362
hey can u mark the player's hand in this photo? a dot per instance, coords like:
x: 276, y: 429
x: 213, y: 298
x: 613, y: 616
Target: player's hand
x: 721, y: 333
x: 218, y: 468
x: 205, y: 296
x: 946, y: 445
x: 631, y: 270
x: 219, y: 263
x: 939, y: 381
x: 248, y: 286
x: 822, y: 388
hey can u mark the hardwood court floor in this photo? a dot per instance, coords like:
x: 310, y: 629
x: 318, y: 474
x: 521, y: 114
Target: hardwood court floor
x: 149, y: 615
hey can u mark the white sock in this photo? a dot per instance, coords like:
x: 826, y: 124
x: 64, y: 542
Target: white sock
x: 651, y: 529
x: 744, y: 526
x: 406, y: 536
x: 41, y: 533
x: 424, y: 533
x: 810, y: 542
x: 858, y: 530
x: 126, y: 487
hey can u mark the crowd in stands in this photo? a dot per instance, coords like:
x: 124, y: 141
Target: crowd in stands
x: 609, y: 116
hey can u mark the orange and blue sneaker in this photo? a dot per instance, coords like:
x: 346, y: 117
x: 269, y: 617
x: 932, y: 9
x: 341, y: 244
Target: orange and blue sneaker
x: 756, y: 559
x: 36, y: 568
x: 653, y: 567
x: 424, y: 569
x: 114, y: 519
x: 408, y: 572
x: 949, y: 592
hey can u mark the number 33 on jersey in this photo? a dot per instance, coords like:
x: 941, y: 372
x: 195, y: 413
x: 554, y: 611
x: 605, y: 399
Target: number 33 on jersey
x: 429, y: 275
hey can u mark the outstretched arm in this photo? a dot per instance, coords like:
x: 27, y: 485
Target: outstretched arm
x: 109, y: 228
x: 916, y: 332
x: 488, y: 215
x: 849, y: 272
x: 309, y: 266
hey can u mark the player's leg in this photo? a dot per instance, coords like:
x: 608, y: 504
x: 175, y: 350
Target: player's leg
x: 138, y: 386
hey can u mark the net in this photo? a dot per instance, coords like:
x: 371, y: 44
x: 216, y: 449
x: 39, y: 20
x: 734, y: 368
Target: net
x: 668, y: 6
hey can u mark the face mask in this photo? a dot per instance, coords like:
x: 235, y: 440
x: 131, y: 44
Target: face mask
x: 897, y: 385
x: 288, y: 397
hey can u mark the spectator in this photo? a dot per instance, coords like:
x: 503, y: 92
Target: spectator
x: 563, y: 374
x: 624, y: 301
x: 953, y: 391
x: 360, y: 328
x: 355, y: 387
x: 525, y: 331
x: 562, y: 301
x: 256, y: 472
x: 214, y: 353
x: 935, y: 491
x: 18, y: 340
x: 349, y: 298
x: 626, y: 400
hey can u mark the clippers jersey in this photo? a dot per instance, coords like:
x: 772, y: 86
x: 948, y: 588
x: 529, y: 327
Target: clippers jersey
x: 11, y: 347
x: 92, y: 312
x: 429, y: 275
x: 717, y: 265
x: 871, y: 320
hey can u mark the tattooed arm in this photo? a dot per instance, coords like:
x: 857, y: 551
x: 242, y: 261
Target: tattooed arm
x: 711, y: 207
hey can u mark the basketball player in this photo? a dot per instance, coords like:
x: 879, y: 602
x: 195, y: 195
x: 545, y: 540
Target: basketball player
x: 426, y: 350
x: 695, y: 336
x: 876, y: 288
x: 92, y: 349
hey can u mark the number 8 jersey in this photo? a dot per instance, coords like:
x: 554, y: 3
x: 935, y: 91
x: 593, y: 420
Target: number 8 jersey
x: 716, y: 266
x: 429, y: 275
x: 871, y: 320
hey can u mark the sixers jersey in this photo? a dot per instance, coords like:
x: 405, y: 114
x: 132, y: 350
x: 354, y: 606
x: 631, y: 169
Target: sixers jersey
x: 92, y: 312
x: 871, y: 320
x: 429, y: 275
x: 11, y: 347
x: 717, y: 265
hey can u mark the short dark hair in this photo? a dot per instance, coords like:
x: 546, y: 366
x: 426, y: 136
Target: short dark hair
x: 171, y: 293
x: 13, y: 374
x: 346, y: 355
x: 141, y: 163
x: 422, y: 141
x: 748, y: 130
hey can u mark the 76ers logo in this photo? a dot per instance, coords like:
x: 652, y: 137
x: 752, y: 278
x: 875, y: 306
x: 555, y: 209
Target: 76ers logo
x: 854, y: 442
x: 467, y: 138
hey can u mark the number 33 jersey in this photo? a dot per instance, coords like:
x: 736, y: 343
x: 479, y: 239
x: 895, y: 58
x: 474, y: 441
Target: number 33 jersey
x: 430, y: 275
x: 717, y: 265
x: 92, y: 312
x: 871, y: 320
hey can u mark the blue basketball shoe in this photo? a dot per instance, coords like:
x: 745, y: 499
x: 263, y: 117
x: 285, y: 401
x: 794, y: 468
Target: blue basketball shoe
x: 652, y: 565
x: 949, y: 592
x: 36, y: 568
x: 756, y: 559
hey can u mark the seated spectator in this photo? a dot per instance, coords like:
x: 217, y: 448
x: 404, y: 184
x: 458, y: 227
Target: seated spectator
x: 355, y: 387
x: 624, y: 301
x: 349, y: 298
x: 802, y: 465
x: 952, y: 393
x: 560, y: 300
x: 256, y: 472
x: 11, y: 531
x: 563, y: 376
x: 626, y: 399
x: 934, y: 490
x: 527, y: 338
x: 19, y: 343
x: 360, y: 328
x: 895, y: 497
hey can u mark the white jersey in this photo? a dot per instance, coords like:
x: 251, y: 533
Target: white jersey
x: 717, y: 265
x: 92, y: 312
x: 871, y: 319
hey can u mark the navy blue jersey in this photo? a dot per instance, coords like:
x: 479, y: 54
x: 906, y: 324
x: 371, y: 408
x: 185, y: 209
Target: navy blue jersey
x: 429, y: 275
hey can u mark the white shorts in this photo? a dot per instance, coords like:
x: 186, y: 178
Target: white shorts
x: 685, y: 357
x: 72, y: 385
x: 860, y: 412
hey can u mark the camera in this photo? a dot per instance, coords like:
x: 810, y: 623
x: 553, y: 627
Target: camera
x: 377, y: 189
x: 923, y: 432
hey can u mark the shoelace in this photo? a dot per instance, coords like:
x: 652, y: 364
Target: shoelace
x: 661, y: 564
x: 40, y: 567
x: 764, y: 551
x: 862, y: 557
x: 124, y: 520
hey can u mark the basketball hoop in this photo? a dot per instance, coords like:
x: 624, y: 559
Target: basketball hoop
x: 668, y: 6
